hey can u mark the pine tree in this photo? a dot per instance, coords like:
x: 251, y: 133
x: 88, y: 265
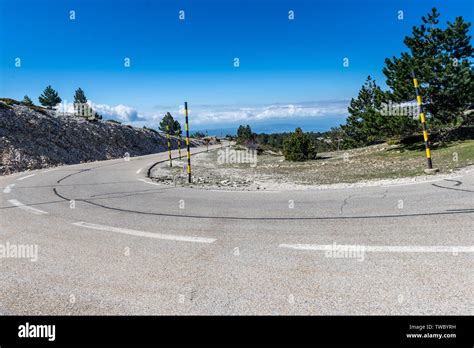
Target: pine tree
x: 442, y: 61
x: 245, y: 135
x: 81, y: 108
x: 174, y: 126
x: 49, y: 98
x: 299, y: 147
x: 365, y: 124
x: 79, y: 96
x: 27, y: 101
x: 177, y: 128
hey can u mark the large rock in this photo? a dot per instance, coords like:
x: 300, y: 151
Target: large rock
x: 32, y: 139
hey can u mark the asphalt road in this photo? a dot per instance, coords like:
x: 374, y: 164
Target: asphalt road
x: 110, y: 241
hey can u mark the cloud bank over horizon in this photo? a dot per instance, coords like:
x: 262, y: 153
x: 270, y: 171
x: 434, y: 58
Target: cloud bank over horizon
x: 222, y: 116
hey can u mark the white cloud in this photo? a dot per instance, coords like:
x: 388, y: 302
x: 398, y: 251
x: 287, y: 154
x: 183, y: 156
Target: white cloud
x: 220, y: 114
x: 119, y: 112
x: 229, y: 114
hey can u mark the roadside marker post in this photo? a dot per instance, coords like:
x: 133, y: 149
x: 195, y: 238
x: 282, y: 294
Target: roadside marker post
x: 423, y: 121
x: 169, y: 143
x: 187, y: 140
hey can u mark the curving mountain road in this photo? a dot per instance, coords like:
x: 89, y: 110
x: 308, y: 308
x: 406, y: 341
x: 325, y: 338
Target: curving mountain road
x: 110, y: 241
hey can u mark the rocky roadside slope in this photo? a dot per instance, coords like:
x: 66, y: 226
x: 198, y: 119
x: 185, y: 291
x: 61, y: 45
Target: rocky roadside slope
x: 374, y: 165
x: 39, y: 138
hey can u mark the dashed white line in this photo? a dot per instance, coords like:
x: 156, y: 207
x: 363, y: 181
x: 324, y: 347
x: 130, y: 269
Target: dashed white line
x: 25, y: 177
x: 145, y: 234
x: 386, y: 248
x: 8, y: 188
x: 139, y: 170
x: 27, y: 208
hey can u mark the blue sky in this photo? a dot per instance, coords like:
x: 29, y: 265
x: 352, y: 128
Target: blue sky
x: 290, y: 72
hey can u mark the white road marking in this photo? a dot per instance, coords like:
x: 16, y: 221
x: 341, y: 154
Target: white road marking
x: 149, y: 182
x: 139, y: 170
x: 419, y: 182
x: 386, y: 248
x: 8, y: 188
x: 25, y: 177
x: 145, y: 234
x: 27, y: 208
x: 149, y: 164
x: 242, y: 191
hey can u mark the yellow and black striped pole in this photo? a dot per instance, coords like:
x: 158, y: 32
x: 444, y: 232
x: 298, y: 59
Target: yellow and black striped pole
x: 423, y: 121
x: 169, y: 143
x: 187, y: 140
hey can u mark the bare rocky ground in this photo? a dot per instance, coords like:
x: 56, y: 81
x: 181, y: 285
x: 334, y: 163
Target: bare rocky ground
x: 40, y: 138
x: 373, y: 165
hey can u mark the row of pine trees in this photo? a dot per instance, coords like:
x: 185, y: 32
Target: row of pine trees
x: 50, y: 98
x: 442, y: 61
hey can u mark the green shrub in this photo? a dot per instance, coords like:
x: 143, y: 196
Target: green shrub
x: 299, y: 147
x: 4, y: 105
x: 198, y: 135
x: 10, y: 101
x: 27, y: 101
x: 38, y: 109
x: 393, y: 141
